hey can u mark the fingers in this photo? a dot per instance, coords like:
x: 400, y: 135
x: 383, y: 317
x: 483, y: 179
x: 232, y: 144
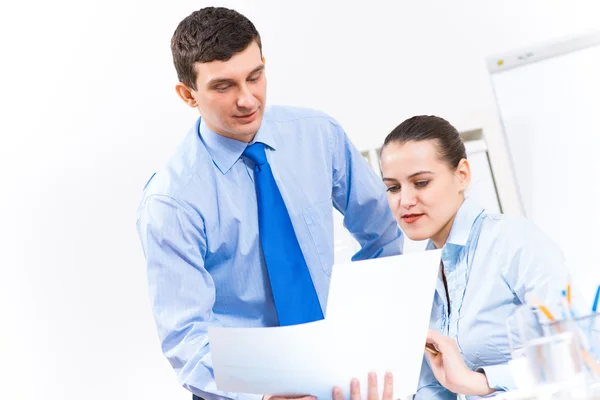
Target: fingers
x: 354, y: 390
x: 337, y: 394
x: 434, y: 337
x: 388, y: 387
x: 373, y: 390
x: 443, y: 344
x: 435, y: 344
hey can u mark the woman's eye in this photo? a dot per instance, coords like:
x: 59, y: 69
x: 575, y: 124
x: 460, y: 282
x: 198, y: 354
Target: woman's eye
x: 421, y: 184
x: 393, y: 189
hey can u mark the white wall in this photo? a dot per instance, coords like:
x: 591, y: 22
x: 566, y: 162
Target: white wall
x: 89, y: 111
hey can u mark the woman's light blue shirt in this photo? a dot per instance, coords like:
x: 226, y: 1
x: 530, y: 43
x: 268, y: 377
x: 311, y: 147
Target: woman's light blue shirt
x: 493, y: 263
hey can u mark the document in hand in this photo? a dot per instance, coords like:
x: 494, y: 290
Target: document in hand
x: 377, y: 319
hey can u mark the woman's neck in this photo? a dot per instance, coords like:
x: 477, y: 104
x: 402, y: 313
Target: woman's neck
x: 440, y: 238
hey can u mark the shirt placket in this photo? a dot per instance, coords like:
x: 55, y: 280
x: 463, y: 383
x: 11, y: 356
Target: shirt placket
x: 456, y: 281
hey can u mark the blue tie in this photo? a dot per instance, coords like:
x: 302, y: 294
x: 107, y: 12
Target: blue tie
x: 293, y: 290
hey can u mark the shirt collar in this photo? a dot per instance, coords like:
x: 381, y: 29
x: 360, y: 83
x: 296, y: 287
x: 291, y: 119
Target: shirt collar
x: 265, y: 134
x: 225, y: 151
x: 465, y: 217
x: 463, y: 221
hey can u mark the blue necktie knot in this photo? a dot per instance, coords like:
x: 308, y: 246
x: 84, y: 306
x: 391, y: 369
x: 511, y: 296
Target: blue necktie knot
x: 256, y: 153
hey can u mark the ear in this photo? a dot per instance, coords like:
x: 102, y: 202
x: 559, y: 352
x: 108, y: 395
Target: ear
x: 463, y: 174
x: 186, y: 94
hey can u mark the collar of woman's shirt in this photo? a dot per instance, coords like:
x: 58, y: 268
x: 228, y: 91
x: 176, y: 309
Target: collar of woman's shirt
x: 460, y: 233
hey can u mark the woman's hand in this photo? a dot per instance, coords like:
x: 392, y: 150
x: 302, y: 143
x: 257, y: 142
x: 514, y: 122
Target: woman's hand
x: 450, y: 369
x: 373, y: 390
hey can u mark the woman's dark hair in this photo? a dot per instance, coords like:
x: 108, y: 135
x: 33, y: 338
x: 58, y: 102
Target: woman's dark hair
x: 209, y: 34
x: 429, y: 127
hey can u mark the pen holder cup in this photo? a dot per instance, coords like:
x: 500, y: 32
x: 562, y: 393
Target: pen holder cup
x: 542, y: 354
x: 585, y: 331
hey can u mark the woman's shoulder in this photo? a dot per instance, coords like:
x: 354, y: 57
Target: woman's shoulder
x: 503, y: 224
x: 514, y: 232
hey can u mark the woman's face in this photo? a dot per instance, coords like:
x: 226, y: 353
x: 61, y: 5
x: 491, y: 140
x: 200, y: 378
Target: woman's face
x: 424, y: 192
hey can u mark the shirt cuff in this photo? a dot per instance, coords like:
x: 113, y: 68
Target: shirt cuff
x: 498, y: 377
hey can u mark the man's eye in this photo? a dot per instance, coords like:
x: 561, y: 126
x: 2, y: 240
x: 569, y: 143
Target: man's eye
x: 393, y: 189
x: 421, y: 184
x: 222, y: 88
x: 254, y: 78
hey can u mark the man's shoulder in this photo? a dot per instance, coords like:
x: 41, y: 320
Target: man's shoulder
x: 296, y: 124
x: 290, y: 114
x: 180, y: 172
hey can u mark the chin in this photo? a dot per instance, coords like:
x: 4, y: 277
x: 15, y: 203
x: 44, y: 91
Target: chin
x: 414, y: 234
x: 250, y: 128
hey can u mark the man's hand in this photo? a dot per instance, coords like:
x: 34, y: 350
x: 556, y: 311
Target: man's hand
x: 373, y: 390
x: 450, y: 369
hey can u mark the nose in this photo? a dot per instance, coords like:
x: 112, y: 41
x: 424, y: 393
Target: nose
x: 245, y: 98
x: 408, y: 198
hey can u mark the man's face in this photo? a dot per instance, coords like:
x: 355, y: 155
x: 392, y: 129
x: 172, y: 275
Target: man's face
x: 231, y: 95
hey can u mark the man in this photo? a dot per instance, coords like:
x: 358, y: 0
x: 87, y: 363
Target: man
x: 237, y: 228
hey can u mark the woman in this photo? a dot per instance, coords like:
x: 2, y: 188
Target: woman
x: 490, y: 263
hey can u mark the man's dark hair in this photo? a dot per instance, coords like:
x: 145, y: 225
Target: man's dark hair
x: 209, y: 34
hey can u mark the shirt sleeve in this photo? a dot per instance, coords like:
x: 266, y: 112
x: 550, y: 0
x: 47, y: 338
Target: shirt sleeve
x: 537, y: 271
x: 182, y: 292
x: 499, y: 377
x: 360, y: 195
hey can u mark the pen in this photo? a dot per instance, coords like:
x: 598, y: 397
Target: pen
x: 595, y: 306
x: 431, y: 348
x: 546, y: 312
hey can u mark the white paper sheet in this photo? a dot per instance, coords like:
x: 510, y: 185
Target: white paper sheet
x: 376, y: 320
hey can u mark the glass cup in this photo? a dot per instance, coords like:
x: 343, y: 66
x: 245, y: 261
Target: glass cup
x: 545, y: 354
x: 586, y: 329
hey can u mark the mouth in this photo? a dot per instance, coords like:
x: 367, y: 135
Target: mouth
x: 247, y: 116
x: 410, y: 218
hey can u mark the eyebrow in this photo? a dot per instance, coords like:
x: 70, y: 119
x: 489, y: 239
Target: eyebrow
x: 419, y: 173
x: 385, y: 179
x: 216, y: 81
